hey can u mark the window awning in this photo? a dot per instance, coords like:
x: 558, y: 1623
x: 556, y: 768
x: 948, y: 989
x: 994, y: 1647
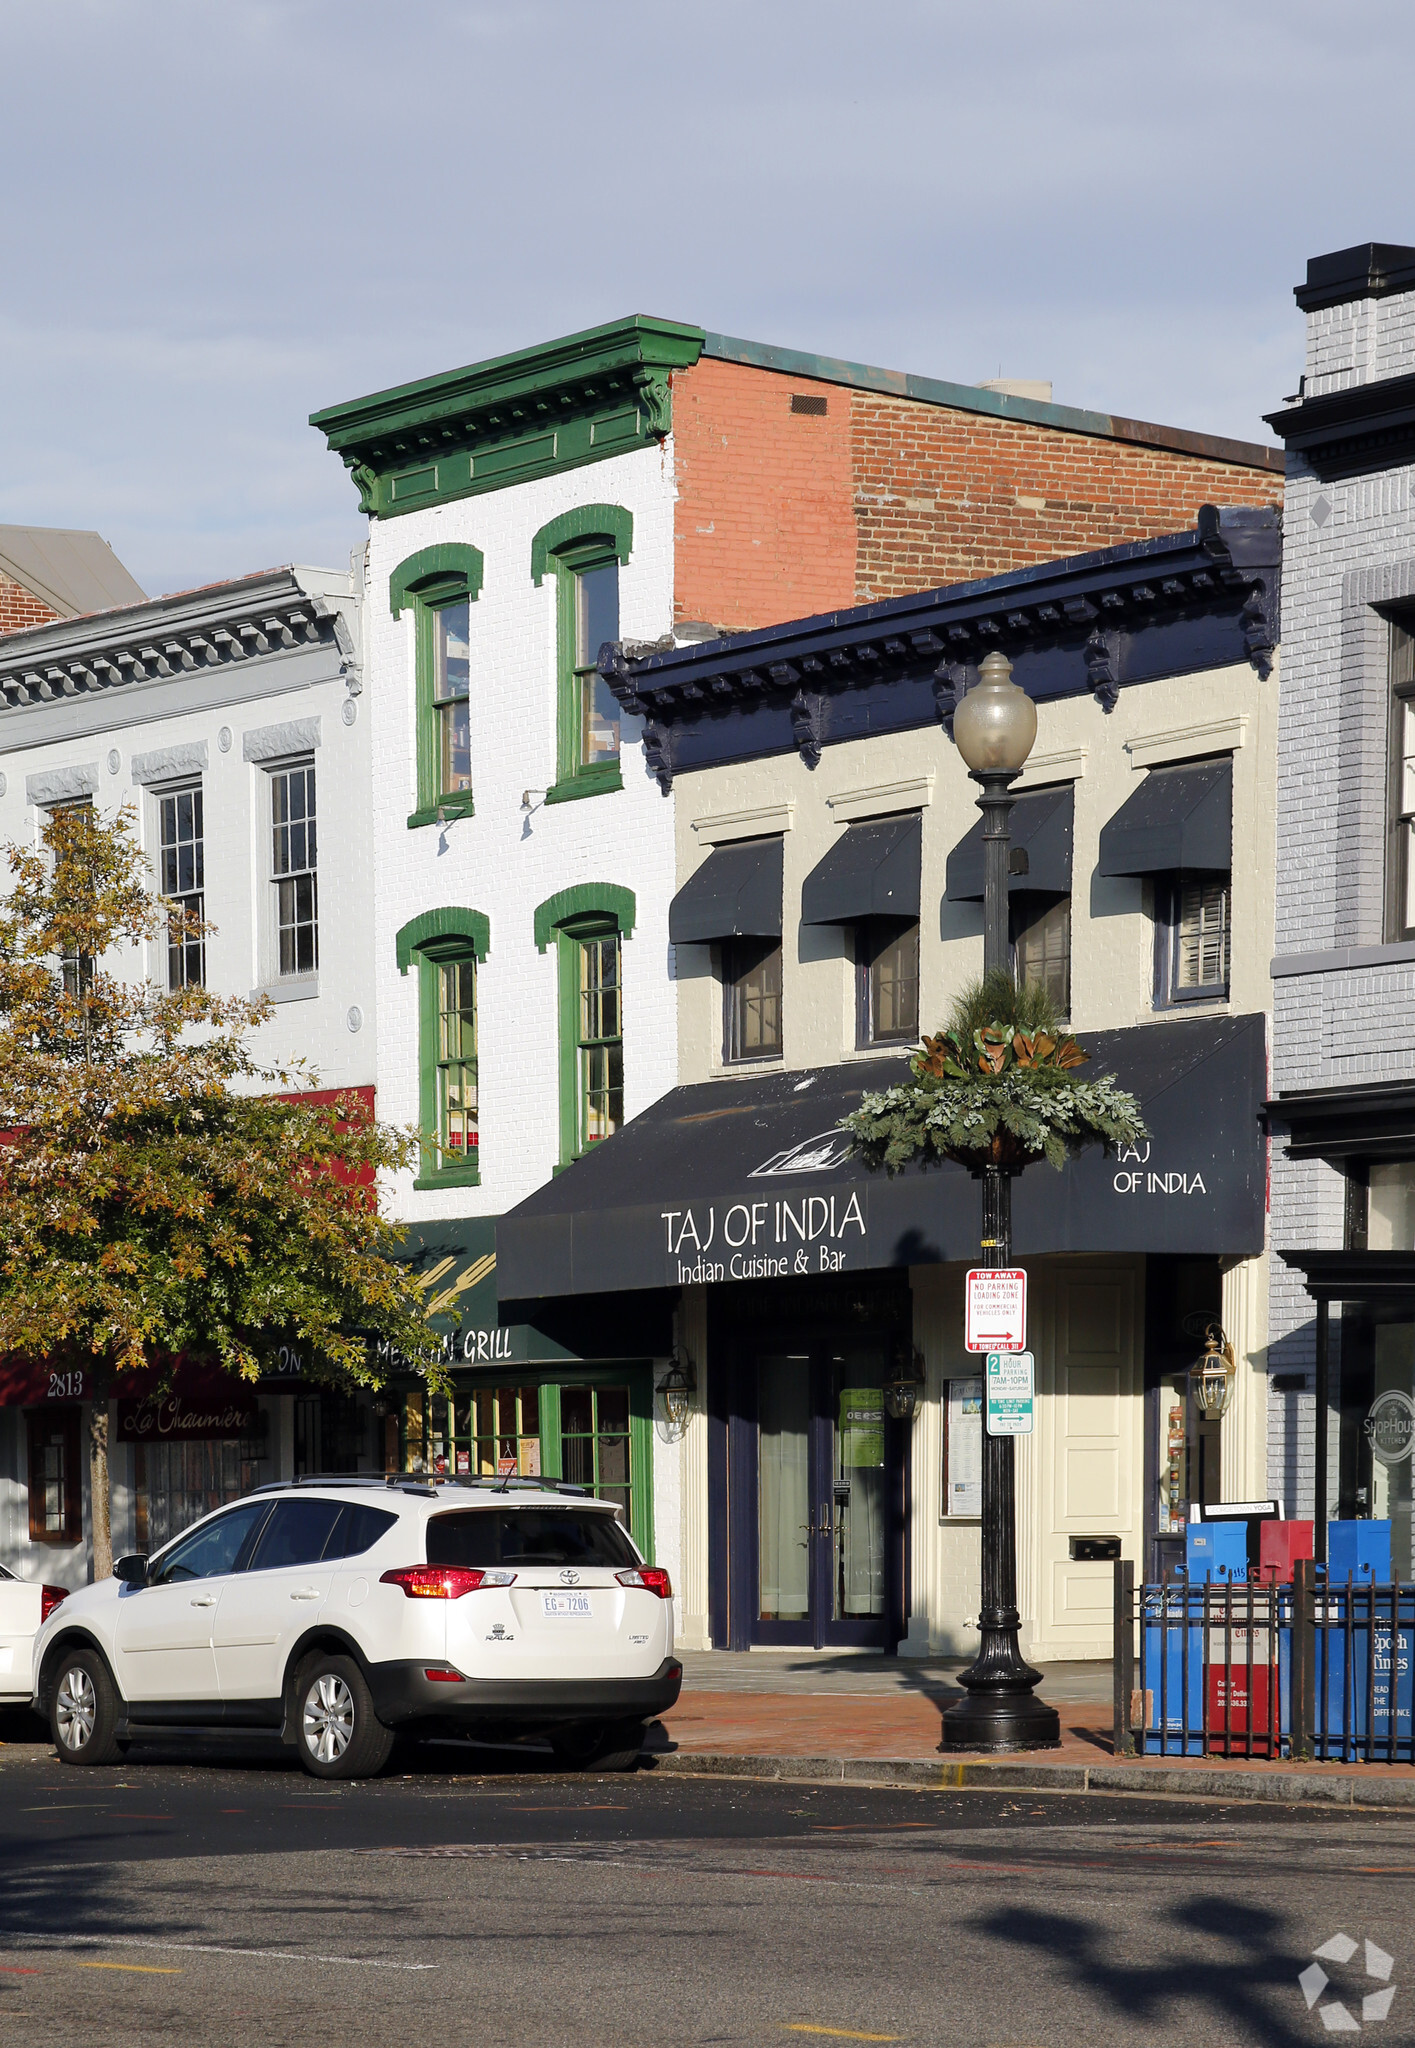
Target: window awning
x: 871, y: 871
x: 1041, y: 830
x: 735, y: 894
x: 1177, y: 818
x: 755, y: 1180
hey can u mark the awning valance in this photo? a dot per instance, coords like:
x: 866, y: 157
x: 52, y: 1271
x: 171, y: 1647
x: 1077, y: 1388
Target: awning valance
x: 871, y: 871
x: 735, y: 894
x: 754, y: 1179
x: 1041, y: 849
x: 1179, y: 818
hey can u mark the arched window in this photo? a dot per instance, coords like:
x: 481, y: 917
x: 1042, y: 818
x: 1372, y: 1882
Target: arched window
x: 589, y: 925
x: 448, y: 944
x: 441, y: 584
x: 584, y: 550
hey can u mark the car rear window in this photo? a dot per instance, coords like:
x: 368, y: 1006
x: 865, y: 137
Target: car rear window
x: 528, y: 1536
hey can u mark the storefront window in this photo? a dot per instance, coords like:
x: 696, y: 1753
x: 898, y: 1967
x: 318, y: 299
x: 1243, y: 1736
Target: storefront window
x: 1390, y: 1211
x: 1389, y: 1445
x: 55, y: 1480
x: 175, y: 1484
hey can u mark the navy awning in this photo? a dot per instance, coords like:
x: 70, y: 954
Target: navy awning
x: 1177, y: 818
x: 736, y: 894
x: 871, y: 871
x: 753, y: 1179
x: 1041, y: 848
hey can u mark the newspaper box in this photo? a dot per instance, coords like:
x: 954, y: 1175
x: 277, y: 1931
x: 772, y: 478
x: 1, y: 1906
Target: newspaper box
x: 1242, y: 1673
x: 1365, y: 1671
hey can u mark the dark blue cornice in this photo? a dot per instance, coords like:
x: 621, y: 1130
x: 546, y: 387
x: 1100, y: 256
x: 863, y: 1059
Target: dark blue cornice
x: 1097, y: 622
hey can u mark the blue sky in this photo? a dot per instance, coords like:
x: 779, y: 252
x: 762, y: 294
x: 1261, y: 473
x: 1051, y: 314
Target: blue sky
x: 223, y: 214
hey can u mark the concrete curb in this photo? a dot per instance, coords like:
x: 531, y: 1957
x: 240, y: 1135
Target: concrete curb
x: 1288, y: 1788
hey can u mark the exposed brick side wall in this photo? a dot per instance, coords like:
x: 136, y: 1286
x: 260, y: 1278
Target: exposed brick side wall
x: 944, y: 496
x: 764, y: 528
x: 20, y: 608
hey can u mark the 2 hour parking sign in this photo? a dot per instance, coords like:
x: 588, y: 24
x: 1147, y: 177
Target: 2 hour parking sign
x: 997, y: 1310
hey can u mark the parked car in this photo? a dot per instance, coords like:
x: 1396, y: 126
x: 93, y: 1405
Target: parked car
x: 340, y: 1612
x: 24, y: 1609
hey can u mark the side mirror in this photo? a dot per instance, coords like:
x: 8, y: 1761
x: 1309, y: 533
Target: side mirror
x: 131, y: 1571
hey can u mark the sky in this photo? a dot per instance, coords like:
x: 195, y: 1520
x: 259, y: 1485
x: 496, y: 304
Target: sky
x: 222, y: 215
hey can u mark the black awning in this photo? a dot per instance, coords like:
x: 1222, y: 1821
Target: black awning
x: 736, y: 894
x: 754, y: 1179
x: 1177, y: 818
x: 871, y: 871
x: 1041, y: 831
x: 1374, y: 1122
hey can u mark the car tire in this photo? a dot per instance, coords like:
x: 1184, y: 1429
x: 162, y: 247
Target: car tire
x: 337, y: 1733
x: 603, y: 1746
x: 83, y: 1709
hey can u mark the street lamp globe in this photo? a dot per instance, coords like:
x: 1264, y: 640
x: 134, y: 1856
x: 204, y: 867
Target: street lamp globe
x: 996, y: 724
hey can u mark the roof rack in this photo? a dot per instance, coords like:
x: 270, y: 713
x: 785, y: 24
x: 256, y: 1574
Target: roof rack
x: 427, y: 1483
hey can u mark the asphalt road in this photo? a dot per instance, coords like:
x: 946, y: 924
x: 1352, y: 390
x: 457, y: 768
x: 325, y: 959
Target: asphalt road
x: 234, y: 1901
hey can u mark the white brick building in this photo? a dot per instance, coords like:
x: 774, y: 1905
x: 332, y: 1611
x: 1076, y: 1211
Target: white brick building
x: 1344, y: 971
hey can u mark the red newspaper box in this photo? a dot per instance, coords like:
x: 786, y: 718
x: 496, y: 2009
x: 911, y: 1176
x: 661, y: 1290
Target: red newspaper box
x: 1280, y: 1545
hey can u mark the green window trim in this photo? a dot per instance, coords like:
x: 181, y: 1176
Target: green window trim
x: 609, y: 527
x: 588, y: 910
x: 429, y: 582
x: 586, y: 538
x: 434, y: 939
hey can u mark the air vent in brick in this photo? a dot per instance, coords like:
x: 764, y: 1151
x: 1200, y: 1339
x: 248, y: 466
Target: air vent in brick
x: 800, y: 402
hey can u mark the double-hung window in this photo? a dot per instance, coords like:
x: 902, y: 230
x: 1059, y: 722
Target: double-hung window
x: 294, y: 869
x: 751, y: 999
x: 456, y: 1060
x: 450, y: 629
x: 886, y: 981
x: 439, y: 586
x: 181, y: 841
x: 584, y: 550
x: 1193, y: 938
x: 447, y: 947
x: 1400, y: 801
x: 1041, y: 944
x: 600, y: 1041
x: 76, y: 968
x: 587, y: 925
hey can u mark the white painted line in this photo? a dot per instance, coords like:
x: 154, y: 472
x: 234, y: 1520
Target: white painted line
x: 201, y: 1948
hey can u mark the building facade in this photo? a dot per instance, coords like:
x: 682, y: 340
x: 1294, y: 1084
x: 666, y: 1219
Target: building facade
x: 828, y: 907
x: 232, y: 722
x: 53, y: 572
x: 1343, y: 1301
x: 643, y: 483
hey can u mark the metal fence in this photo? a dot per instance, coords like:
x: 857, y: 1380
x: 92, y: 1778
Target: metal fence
x: 1308, y: 1668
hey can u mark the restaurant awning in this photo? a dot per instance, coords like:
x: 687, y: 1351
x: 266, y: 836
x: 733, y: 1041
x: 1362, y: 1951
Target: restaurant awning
x: 735, y: 894
x: 871, y: 871
x: 1040, y: 831
x: 754, y: 1179
x: 1177, y: 818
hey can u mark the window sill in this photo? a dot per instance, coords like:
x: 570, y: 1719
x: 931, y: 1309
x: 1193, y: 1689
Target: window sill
x: 730, y: 1070
x: 597, y: 781
x: 448, y: 1177
x: 291, y: 988
x: 444, y: 812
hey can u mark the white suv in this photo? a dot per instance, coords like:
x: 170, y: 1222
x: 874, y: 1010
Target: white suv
x: 340, y: 1611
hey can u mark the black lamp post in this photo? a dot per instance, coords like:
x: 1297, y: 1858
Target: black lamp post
x: 994, y: 728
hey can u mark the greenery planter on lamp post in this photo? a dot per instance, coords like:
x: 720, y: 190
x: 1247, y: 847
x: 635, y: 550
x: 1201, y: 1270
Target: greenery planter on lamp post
x: 996, y: 1090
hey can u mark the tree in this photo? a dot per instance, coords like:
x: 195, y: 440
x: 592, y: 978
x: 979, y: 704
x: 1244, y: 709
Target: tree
x: 161, y: 1192
x: 999, y: 1086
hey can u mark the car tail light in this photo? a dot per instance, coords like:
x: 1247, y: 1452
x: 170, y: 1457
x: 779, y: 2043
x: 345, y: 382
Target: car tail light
x: 49, y: 1598
x: 447, y: 1677
x: 652, y: 1577
x: 442, y: 1581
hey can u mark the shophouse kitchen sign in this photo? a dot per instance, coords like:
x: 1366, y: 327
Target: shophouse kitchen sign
x: 996, y: 1317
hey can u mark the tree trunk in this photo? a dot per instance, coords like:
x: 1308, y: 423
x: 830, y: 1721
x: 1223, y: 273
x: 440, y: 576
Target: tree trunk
x: 99, y: 1495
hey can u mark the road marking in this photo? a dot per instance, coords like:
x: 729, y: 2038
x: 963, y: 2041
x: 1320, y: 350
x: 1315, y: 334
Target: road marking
x: 205, y: 1948
x: 143, y: 1816
x: 840, y: 2033
x: 137, y: 1969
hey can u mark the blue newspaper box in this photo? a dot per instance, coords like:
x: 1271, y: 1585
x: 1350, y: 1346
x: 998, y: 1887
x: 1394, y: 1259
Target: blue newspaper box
x: 1172, y: 1670
x: 1365, y: 1671
x: 1359, y: 1551
x: 1216, y: 1550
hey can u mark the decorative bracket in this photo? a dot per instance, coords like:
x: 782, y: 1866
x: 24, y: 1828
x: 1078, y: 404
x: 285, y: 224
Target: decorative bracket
x: 950, y: 683
x: 806, y: 707
x: 656, y: 757
x: 1259, y: 628
x: 1099, y: 653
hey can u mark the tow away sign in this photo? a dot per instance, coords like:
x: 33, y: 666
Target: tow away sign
x: 997, y: 1310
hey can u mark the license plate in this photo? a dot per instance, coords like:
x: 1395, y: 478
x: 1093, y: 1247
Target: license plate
x: 566, y: 1606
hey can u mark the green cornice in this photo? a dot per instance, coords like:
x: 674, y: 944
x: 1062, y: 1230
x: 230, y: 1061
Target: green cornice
x: 585, y: 899
x: 511, y: 419
x: 441, y: 930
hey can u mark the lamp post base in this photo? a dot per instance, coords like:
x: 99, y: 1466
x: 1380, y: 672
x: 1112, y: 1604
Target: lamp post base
x: 995, y: 1722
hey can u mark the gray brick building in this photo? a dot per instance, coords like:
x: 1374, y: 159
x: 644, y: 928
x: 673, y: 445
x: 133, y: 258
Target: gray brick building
x: 1343, y: 1163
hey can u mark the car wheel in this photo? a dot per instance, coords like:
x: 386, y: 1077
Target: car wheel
x: 337, y: 1733
x: 598, y: 1746
x: 83, y: 1709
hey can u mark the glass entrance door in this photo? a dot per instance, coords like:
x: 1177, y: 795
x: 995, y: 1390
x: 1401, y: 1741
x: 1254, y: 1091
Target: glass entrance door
x: 826, y: 1481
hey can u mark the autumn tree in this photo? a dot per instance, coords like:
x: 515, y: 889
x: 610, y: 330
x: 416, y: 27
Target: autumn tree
x: 162, y: 1191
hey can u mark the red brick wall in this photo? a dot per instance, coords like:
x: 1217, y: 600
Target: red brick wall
x: 20, y: 608
x: 944, y: 496
x: 782, y: 514
x: 764, y: 528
